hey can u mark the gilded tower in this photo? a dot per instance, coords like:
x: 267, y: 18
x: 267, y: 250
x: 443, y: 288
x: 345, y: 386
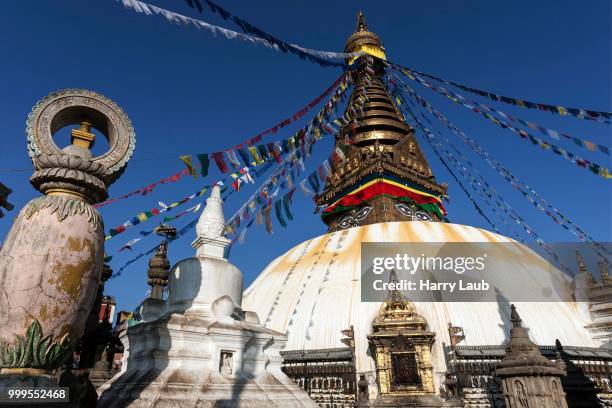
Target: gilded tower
x: 385, y: 175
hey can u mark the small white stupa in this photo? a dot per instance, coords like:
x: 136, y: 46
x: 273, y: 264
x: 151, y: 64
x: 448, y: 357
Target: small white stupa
x: 199, y: 348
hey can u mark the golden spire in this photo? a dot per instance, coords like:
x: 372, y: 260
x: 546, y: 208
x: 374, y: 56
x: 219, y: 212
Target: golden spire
x: 364, y: 41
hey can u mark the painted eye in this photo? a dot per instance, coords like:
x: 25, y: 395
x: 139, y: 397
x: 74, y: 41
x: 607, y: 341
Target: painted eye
x: 423, y: 216
x: 404, y: 209
x: 346, y: 221
x: 363, y: 213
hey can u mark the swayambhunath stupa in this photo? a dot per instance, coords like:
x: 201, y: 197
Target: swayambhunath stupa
x: 364, y: 295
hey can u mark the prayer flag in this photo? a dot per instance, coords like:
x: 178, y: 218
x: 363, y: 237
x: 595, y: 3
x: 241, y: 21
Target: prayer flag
x: 218, y: 157
x: 205, y: 163
x: 277, y: 209
x: 268, y: 218
x: 187, y: 160
x: 244, y: 155
x: 255, y: 155
x: 231, y: 156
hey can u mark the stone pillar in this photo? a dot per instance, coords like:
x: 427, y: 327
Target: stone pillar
x: 51, y: 261
x: 159, y: 266
x: 529, y: 380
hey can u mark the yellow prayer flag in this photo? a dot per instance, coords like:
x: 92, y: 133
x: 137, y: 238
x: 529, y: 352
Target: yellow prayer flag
x: 255, y: 154
x: 187, y: 160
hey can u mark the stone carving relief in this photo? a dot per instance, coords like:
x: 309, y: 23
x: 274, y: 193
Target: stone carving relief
x: 71, y: 106
x: 521, y: 394
x: 227, y: 363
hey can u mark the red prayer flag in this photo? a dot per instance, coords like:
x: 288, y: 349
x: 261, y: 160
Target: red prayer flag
x: 218, y: 157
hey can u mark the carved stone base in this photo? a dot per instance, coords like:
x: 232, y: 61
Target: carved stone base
x: 187, y: 361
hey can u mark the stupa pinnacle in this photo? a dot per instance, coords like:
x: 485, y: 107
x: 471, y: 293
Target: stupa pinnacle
x: 385, y: 176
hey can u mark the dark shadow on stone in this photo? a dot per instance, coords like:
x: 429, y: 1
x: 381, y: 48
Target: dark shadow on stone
x: 503, y: 305
x: 129, y: 386
x: 579, y: 389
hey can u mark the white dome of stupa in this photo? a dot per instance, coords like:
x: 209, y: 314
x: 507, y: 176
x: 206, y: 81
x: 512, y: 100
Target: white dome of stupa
x: 313, y: 291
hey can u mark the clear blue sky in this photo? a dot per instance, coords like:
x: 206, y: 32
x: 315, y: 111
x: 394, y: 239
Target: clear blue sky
x: 188, y: 92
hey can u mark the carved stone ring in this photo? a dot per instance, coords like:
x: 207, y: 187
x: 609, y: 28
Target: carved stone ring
x: 73, y: 106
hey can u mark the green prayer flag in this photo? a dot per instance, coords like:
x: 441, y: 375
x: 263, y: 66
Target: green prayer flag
x: 279, y: 215
x: 205, y: 163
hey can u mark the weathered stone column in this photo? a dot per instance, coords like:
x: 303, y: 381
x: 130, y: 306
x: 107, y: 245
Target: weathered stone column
x: 529, y: 380
x: 51, y: 260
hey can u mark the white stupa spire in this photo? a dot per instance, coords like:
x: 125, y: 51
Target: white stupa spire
x: 210, y: 240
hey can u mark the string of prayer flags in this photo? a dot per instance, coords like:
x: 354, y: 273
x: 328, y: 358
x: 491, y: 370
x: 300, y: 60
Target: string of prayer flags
x: 300, y: 144
x: 569, y: 156
x: 473, y: 106
x: 525, y: 190
x: 281, y: 208
x: 342, y: 82
x: 253, y: 36
x: 129, y: 244
x: 323, y: 58
x: 147, y: 189
x: 597, y: 116
x: 529, y: 230
x: 180, y: 233
x: 146, y: 215
x: 429, y: 137
x: 480, y: 185
x: 131, y: 261
x: 193, y: 209
x: 522, y: 187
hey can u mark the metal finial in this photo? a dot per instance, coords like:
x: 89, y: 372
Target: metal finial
x: 361, y: 25
x: 514, y: 317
